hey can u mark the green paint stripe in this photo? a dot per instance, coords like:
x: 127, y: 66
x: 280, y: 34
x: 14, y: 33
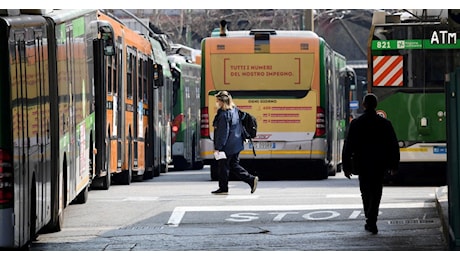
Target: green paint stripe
x: 78, y: 26
x: 412, y: 45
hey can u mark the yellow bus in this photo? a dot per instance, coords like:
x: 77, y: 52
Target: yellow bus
x: 290, y: 81
x: 129, y: 105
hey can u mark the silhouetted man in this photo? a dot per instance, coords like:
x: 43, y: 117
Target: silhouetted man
x: 370, y: 150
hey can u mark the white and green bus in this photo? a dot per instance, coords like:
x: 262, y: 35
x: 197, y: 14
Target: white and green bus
x: 47, y: 117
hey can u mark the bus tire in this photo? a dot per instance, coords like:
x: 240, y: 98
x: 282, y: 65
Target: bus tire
x: 164, y: 168
x: 156, y: 171
x: 106, y: 181
x: 127, y: 175
x: 108, y: 178
x: 82, y: 197
x: 180, y: 163
x: 33, y: 211
x: 196, y: 164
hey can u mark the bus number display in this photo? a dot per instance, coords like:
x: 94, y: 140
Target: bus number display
x: 383, y: 45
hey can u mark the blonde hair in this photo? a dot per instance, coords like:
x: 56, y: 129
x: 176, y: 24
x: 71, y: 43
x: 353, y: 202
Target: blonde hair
x: 226, y: 99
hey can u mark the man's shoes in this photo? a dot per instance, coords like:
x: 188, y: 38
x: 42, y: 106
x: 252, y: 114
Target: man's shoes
x: 371, y: 228
x: 254, y: 184
x: 220, y: 192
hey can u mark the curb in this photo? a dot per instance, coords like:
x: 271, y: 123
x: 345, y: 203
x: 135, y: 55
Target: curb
x: 442, y: 206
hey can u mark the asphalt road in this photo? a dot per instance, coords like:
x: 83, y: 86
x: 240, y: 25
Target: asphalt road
x: 176, y: 212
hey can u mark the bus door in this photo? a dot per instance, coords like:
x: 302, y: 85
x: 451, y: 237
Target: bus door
x: 103, y: 50
x: 119, y: 103
x: 69, y: 106
x: 22, y: 211
x: 148, y: 114
x: 136, y: 105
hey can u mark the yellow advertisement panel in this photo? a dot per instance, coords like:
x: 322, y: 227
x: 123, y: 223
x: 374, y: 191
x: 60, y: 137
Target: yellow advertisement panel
x: 278, y: 118
x: 281, y: 71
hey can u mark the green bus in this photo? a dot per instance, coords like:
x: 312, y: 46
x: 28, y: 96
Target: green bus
x: 407, y: 65
x: 186, y: 110
x: 47, y: 117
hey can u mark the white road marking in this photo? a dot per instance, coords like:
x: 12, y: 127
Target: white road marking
x: 179, y: 212
x: 355, y: 214
x: 126, y: 199
x: 241, y: 197
x: 343, y: 196
x: 140, y: 198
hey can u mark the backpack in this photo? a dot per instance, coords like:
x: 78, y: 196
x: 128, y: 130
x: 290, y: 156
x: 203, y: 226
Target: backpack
x: 249, y: 123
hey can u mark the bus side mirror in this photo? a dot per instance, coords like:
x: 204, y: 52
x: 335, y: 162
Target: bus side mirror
x: 106, y: 35
x: 158, y: 74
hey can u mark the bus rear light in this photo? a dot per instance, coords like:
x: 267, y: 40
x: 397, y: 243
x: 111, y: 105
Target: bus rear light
x: 6, y: 179
x: 320, y: 122
x: 204, y: 122
x: 176, y: 126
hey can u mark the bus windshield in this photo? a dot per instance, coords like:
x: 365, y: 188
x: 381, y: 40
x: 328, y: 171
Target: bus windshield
x: 410, y: 56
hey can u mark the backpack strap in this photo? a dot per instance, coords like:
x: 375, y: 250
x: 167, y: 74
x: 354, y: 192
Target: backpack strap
x: 244, y: 129
x: 253, y: 149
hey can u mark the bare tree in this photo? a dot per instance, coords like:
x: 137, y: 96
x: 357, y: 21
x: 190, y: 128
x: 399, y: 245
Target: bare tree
x: 345, y: 30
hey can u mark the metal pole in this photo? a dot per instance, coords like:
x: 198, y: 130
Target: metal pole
x: 453, y: 157
x: 309, y: 22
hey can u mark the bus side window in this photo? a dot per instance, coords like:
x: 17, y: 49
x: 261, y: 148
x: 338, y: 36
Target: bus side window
x: 158, y: 75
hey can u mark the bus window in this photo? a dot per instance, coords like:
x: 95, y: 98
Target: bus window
x: 158, y: 74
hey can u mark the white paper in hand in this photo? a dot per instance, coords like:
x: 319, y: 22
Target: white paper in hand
x: 220, y: 155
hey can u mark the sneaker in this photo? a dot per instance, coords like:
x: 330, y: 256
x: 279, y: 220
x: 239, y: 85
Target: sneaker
x: 371, y: 228
x: 254, y: 184
x: 219, y: 191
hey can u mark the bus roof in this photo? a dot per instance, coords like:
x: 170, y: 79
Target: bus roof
x: 216, y: 33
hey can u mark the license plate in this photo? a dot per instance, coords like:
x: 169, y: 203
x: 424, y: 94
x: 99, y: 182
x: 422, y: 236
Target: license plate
x: 262, y: 145
x: 440, y: 150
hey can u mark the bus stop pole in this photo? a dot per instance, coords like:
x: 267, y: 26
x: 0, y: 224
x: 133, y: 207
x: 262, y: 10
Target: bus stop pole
x: 453, y: 157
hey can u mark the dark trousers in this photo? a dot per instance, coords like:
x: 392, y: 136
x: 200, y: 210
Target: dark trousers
x: 232, y: 165
x: 371, y: 187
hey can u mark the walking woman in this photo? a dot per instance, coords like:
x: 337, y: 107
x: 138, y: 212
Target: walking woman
x: 228, y: 138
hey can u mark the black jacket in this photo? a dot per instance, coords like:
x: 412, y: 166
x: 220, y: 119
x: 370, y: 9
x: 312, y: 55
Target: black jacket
x: 228, y: 132
x: 371, y: 145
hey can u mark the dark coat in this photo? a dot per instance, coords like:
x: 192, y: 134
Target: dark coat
x: 227, y: 132
x: 370, y: 146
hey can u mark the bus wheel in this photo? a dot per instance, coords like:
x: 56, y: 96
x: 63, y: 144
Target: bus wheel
x: 102, y: 182
x: 106, y: 181
x: 196, y: 165
x: 321, y: 170
x: 126, y: 177
x: 33, y: 211
x: 82, y: 196
x: 164, y: 168
x: 148, y: 174
x: 156, y: 171
x: 180, y: 163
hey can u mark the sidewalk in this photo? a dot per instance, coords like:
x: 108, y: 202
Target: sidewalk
x: 442, y: 205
